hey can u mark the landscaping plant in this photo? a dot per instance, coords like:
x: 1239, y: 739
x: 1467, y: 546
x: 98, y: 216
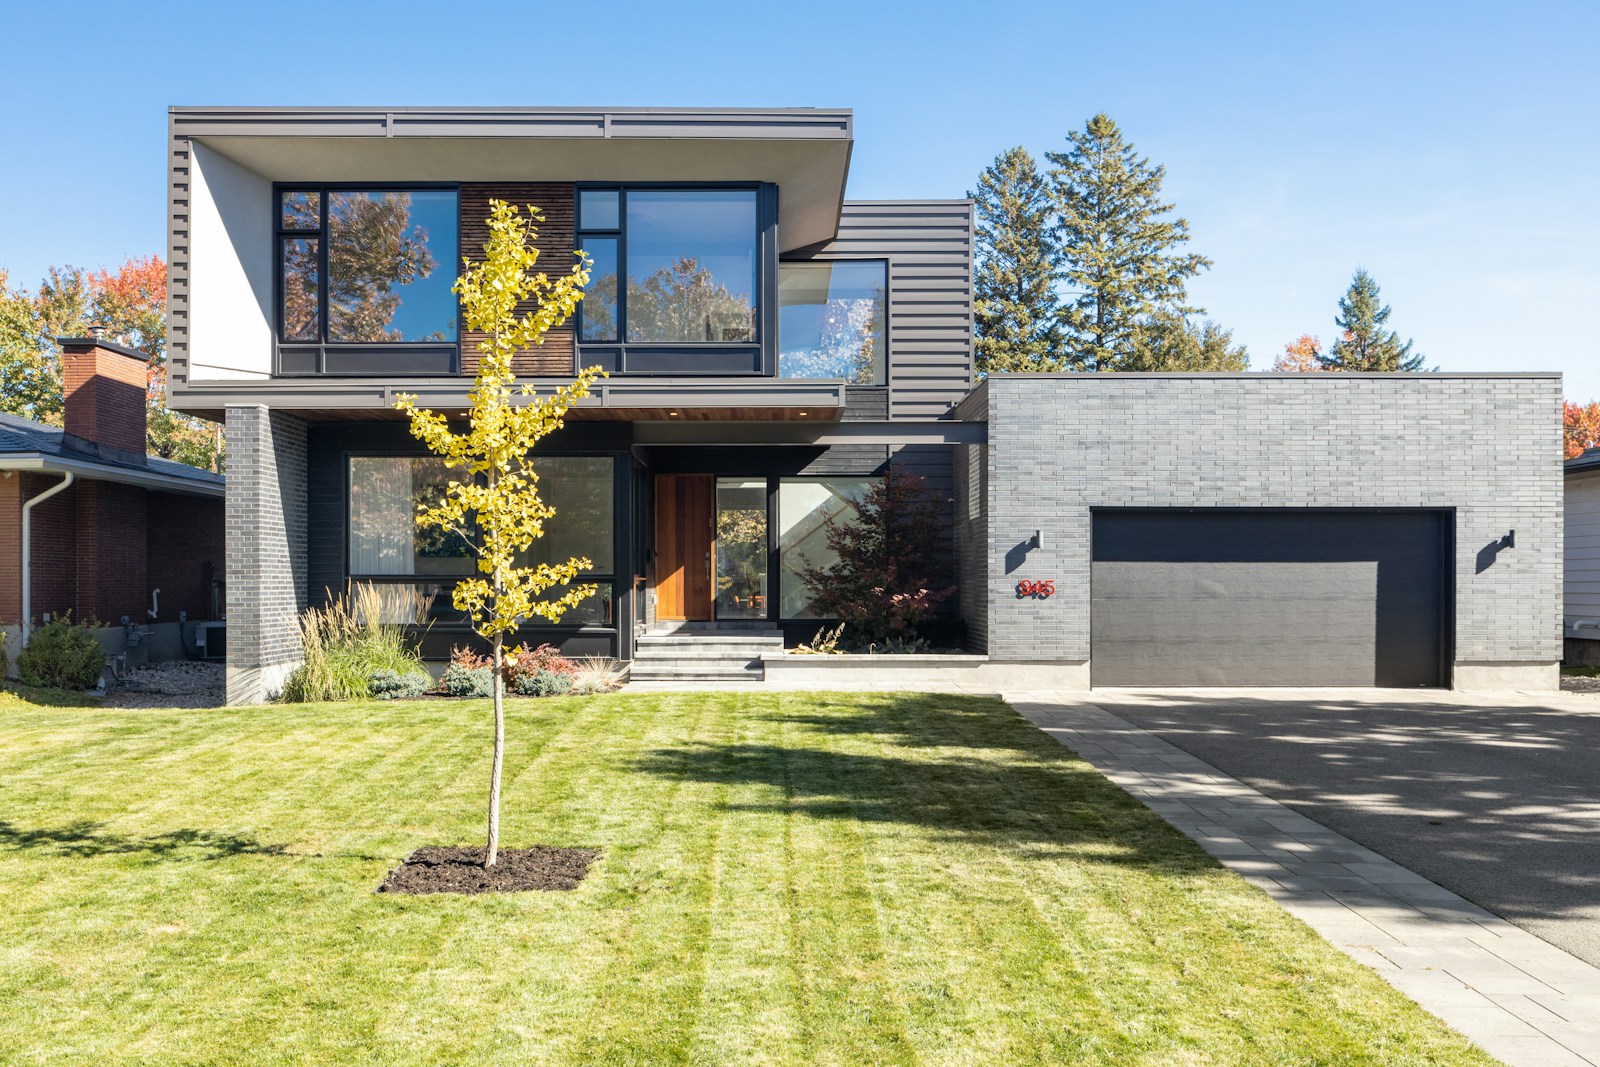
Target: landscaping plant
x: 62, y: 654
x: 890, y: 573
x: 597, y: 674
x: 346, y: 646
x: 392, y: 685
x: 492, y: 500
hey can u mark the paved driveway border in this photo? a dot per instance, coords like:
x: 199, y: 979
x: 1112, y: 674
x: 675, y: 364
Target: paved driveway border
x: 1522, y: 999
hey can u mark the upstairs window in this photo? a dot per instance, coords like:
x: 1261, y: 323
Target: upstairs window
x: 831, y: 320
x: 671, y: 266
x: 366, y: 267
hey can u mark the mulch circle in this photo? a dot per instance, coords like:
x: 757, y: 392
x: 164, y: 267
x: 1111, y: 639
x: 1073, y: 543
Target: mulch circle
x: 435, y: 869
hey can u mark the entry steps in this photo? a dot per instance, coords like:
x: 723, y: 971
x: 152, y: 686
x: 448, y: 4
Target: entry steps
x: 688, y: 654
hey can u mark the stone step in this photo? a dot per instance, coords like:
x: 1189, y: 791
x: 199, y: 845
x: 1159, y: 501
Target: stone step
x: 755, y: 639
x: 727, y: 653
x: 655, y: 673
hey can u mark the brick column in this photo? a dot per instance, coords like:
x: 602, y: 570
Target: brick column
x: 266, y: 550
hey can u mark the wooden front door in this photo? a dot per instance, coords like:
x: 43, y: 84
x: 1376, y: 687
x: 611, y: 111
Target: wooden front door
x: 685, y: 526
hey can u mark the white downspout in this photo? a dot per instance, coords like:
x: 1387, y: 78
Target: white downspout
x: 27, y: 551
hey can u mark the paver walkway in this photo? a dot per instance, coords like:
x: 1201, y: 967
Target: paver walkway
x: 1523, y: 1000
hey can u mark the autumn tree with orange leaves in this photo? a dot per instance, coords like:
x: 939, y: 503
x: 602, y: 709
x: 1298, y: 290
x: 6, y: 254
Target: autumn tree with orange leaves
x: 1302, y: 355
x: 130, y: 303
x: 1580, y: 427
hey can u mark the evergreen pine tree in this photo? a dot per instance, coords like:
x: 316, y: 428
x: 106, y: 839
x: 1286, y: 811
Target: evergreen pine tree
x: 1120, y: 253
x: 1364, y: 344
x: 1014, y: 291
x: 1168, y: 341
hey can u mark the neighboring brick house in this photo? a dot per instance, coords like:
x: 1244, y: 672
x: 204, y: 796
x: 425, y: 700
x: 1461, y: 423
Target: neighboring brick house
x: 110, y: 525
x: 772, y: 347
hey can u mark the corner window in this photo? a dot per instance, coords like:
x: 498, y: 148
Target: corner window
x: 672, y: 267
x: 805, y: 507
x: 832, y: 319
x: 364, y: 268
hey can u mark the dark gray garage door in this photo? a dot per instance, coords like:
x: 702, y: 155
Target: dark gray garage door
x: 1223, y: 597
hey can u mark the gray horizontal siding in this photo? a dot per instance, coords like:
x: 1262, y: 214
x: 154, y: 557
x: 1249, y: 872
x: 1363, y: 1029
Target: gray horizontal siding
x: 928, y: 244
x: 1582, y: 547
x: 178, y: 164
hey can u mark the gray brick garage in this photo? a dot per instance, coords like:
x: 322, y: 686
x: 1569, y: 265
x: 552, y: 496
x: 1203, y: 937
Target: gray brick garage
x: 1476, y: 454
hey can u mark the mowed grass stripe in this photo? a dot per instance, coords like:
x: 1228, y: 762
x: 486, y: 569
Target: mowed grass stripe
x: 785, y: 878
x: 969, y: 958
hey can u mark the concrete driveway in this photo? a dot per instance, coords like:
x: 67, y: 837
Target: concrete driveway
x: 1494, y: 796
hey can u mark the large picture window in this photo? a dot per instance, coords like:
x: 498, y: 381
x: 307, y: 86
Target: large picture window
x: 362, y: 270
x: 832, y: 319
x: 672, y: 267
x: 805, y: 506
x: 416, y: 567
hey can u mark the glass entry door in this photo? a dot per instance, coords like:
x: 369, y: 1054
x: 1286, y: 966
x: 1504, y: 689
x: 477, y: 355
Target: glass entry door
x: 740, y: 551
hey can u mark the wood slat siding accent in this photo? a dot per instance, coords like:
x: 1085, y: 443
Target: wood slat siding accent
x: 929, y: 248
x: 555, y: 200
x: 1581, y: 590
x: 178, y: 164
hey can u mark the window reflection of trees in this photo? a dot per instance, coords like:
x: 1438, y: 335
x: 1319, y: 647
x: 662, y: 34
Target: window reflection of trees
x: 849, y: 344
x: 684, y: 302
x: 373, y: 251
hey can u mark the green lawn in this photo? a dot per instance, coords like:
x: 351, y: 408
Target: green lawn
x: 784, y: 878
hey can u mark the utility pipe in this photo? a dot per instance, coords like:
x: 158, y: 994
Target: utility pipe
x: 27, y: 552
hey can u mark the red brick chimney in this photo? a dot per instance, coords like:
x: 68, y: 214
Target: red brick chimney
x: 105, y: 387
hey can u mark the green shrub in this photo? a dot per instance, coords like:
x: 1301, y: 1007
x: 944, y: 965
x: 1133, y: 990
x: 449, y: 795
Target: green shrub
x: 461, y: 681
x: 62, y: 654
x: 5, y: 660
x: 393, y: 685
x: 542, y: 684
x: 345, y: 644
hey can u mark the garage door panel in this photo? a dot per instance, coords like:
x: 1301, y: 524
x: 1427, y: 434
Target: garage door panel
x: 1354, y: 580
x: 1225, y: 622
x: 1156, y: 664
x: 1266, y: 598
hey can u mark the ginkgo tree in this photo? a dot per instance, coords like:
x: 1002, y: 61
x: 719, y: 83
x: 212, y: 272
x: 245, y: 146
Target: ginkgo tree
x: 492, y: 500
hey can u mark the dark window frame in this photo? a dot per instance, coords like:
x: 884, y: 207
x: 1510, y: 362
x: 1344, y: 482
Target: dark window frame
x: 350, y: 353
x: 888, y: 344
x: 685, y: 358
x: 620, y: 488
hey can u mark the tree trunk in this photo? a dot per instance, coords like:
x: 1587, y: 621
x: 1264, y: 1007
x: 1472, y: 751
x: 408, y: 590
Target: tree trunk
x: 493, y: 853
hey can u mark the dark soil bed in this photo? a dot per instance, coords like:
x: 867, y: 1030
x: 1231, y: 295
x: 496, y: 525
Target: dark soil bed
x: 460, y: 870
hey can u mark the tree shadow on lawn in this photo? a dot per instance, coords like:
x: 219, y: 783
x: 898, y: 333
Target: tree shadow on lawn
x: 84, y: 839
x: 1037, y: 799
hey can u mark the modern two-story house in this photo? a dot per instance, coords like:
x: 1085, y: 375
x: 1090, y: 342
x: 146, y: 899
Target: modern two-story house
x: 772, y: 347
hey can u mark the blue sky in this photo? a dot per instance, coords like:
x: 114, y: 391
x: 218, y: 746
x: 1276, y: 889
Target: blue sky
x: 1453, y: 149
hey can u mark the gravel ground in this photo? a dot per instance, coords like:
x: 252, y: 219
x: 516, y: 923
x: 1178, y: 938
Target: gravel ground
x: 176, y: 684
x: 1577, y: 683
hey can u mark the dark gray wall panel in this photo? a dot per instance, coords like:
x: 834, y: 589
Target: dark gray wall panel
x: 928, y: 244
x: 1300, y: 597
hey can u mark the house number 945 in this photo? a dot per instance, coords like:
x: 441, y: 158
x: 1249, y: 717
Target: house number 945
x: 1037, y: 590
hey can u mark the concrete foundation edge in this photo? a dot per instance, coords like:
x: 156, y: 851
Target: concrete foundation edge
x: 257, y: 685
x: 917, y: 672
x: 1490, y: 677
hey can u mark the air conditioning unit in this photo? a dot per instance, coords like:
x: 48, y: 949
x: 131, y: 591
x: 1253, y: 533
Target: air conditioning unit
x: 211, y: 639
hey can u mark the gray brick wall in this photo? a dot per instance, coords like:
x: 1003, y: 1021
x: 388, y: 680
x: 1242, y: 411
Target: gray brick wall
x: 266, y: 549
x: 1487, y: 446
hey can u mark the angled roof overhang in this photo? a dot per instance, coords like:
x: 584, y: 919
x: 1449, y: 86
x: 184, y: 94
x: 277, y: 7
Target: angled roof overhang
x: 88, y: 469
x: 804, y: 151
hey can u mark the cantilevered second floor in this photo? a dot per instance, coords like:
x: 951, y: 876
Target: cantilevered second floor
x: 313, y: 250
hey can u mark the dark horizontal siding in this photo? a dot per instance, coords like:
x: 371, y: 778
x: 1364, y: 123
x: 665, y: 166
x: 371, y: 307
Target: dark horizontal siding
x: 929, y: 248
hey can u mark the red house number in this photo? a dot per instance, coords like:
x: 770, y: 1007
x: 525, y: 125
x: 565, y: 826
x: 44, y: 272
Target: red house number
x: 1039, y: 590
